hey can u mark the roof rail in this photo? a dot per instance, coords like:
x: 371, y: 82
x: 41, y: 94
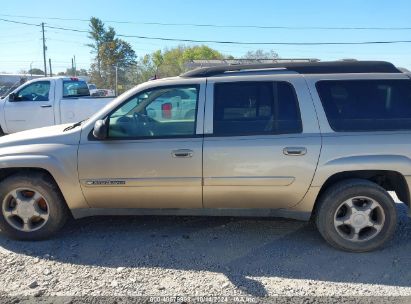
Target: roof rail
x: 324, y: 67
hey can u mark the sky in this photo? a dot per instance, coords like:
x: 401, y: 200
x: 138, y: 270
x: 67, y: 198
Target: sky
x: 21, y: 45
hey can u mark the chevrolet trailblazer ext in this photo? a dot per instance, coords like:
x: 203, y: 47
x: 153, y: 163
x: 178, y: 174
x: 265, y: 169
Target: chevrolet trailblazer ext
x: 321, y: 140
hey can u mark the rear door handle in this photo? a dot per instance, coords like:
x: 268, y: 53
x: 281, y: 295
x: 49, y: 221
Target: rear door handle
x: 182, y: 153
x: 295, y: 151
x: 45, y: 106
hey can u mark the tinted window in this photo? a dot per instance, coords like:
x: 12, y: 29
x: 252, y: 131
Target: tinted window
x: 252, y: 108
x: 74, y: 88
x: 367, y: 105
x: 161, y: 112
x: 38, y: 91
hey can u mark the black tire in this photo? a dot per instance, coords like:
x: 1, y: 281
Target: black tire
x: 334, y: 196
x: 44, y: 185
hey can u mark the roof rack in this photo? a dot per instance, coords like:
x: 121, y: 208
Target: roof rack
x: 324, y: 67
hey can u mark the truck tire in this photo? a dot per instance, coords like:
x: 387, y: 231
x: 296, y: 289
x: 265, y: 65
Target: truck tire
x: 356, y: 215
x: 32, y: 207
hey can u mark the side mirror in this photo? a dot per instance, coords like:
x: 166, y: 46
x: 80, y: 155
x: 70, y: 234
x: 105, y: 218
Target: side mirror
x: 100, y: 130
x: 12, y: 96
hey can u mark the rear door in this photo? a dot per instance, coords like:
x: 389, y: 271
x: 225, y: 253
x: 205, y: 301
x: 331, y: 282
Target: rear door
x: 262, y: 142
x: 31, y: 108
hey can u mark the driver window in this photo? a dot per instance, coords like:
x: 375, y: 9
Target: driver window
x: 38, y: 91
x: 161, y: 112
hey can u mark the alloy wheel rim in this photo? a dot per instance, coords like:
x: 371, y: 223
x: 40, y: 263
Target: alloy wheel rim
x: 25, y: 209
x: 359, y: 219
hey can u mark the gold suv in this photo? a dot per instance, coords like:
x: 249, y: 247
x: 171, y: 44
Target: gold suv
x: 321, y: 140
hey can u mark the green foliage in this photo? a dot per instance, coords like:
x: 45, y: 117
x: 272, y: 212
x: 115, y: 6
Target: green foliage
x: 170, y: 62
x: 70, y: 72
x: 111, y: 53
x: 35, y: 71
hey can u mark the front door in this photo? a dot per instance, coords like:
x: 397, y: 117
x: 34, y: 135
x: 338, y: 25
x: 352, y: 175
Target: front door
x: 257, y: 154
x: 31, y: 108
x: 152, y: 157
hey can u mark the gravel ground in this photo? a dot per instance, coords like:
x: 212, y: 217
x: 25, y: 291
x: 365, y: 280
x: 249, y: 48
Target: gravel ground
x: 195, y: 256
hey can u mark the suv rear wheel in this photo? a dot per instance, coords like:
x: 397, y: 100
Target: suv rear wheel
x: 32, y: 206
x: 356, y: 215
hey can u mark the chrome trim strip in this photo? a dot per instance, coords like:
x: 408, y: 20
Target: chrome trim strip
x: 143, y: 182
x: 249, y: 181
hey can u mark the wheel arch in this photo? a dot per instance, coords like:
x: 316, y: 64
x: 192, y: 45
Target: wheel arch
x: 7, y: 172
x: 388, y: 179
x: 64, y: 175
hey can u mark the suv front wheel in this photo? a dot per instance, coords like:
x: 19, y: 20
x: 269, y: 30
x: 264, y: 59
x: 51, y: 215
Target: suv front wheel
x: 356, y: 215
x: 32, y: 207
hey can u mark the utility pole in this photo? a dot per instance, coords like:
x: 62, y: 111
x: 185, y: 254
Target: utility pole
x: 44, y: 50
x: 51, y: 73
x: 116, y: 90
x: 72, y: 67
x: 75, y: 66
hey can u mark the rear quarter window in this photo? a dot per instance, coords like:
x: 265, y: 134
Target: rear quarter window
x: 366, y: 105
x: 75, y: 88
x: 255, y: 108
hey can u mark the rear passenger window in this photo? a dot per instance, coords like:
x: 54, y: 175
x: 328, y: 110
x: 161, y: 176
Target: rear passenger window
x: 75, y: 88
x: 367, y: 105
x: 255, y: 108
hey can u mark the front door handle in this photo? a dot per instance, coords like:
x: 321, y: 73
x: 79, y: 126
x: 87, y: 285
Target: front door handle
x: 295, y: 151
x: 180, y: 153
x: 45, y: 106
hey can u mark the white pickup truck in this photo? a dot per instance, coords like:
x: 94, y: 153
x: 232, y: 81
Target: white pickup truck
x: 48, y: 101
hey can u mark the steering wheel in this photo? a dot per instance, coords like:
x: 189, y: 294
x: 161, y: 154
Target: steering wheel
x: 140, y: 118
x: 34, y: 96
x: 142, y: 121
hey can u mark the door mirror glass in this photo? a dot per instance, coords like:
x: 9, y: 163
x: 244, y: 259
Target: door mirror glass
x: 12, y: 96
x: 100, y: 129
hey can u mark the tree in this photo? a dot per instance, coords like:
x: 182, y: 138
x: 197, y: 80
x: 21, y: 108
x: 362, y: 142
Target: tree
x: 82, y: 72
x: 97, y: 35
x: 172, y: 62
x: 70, y: 72
x: 35, y: 71
x: 112, y: 55
x: 169, y: 62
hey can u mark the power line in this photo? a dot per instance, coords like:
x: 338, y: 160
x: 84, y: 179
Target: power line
x: 67, y: 29
x: 219, y: 41
x: 218, y: 25
x: 19, y: 22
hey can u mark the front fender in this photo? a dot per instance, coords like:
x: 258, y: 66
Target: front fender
x: 61, y: 164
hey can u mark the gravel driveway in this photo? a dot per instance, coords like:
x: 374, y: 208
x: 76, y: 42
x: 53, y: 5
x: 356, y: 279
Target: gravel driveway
x: 158, y: 256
